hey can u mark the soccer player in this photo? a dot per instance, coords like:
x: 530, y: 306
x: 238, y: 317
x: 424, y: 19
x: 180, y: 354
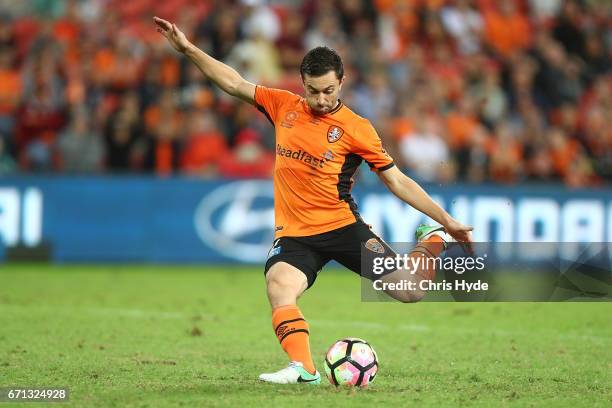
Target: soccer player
x: 319, y: 145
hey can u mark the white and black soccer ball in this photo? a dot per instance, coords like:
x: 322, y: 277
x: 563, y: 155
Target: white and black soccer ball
x: 351, y: 362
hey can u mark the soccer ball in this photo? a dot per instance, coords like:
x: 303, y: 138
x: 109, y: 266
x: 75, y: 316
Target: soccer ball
x: 351, y: 362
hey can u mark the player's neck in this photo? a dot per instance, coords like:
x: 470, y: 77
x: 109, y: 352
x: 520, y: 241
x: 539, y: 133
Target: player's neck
x: 336, y: 105
x: 331, y: 112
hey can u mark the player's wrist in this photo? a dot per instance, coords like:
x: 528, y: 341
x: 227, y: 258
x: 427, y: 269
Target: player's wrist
x: 447, y: 220
x: 189, y: 49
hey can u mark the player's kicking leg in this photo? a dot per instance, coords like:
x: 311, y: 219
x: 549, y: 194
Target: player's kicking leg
x: 431, y: 242
x: 285, y: 283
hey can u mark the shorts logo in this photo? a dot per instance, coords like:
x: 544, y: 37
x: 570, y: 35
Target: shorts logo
x: 334, y: 133
x: 373, y: 245
x: 275, y: 250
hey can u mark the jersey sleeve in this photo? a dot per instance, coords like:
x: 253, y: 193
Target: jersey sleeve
x: 269, y: 101
x: 369, y: 146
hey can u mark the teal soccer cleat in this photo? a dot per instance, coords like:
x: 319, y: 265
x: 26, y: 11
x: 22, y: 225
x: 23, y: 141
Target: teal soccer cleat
x: 425, y: 231
x: 294, y: 374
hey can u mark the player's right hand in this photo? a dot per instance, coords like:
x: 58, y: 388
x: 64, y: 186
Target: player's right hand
x: 175, y: 37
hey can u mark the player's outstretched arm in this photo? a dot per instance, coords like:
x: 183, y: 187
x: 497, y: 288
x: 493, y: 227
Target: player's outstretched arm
x: 410, y: 192
x: 224, y: 76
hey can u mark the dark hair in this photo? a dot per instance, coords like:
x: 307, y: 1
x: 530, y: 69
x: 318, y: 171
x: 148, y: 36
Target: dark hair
x: 319, y: 61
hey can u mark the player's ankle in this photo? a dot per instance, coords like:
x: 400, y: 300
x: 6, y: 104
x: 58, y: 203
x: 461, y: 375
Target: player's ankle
x: 434, y: 239
x: 310, y: 368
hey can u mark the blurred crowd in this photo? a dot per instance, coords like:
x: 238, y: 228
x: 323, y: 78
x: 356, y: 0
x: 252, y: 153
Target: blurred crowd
x: 459, y: 90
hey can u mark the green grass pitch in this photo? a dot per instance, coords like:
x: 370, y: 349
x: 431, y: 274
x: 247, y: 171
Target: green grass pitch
x: 156, y: 336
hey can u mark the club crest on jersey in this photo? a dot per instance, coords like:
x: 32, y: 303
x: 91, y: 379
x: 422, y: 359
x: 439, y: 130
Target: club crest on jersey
x: 334, y: 133
x: 373, y: 245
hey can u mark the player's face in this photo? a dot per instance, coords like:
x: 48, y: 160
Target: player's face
x: 322, y: 92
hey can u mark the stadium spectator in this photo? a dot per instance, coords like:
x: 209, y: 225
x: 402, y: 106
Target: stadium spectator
x: 423, y: 150
x: 325, y: 31
x: 568, y: 30
x: 79, y: 147
x: 162, y: 142
x: 461, y: 123
x: 558, y: 75
x: 257, y: 57
x: 220, y: 30
x: 473, y: 162
x: 506, y: 155
x: 123, y: 134
x: 290, y: 45
x: 374, y: 98
x: 205, y: 146
x: 465, y: 24
x: 162, y: 150
x: 507, y: 30
x: 544, y: 11
x: 489, y: 97
x: 248, y: 159
x: 11, y: 90
x: 7, y: 163
x: 41, y: 115
x: 259, y: 19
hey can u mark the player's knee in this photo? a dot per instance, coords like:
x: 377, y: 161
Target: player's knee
x: 278, y: 285
x: 284, y: 287
x: 280, y: 293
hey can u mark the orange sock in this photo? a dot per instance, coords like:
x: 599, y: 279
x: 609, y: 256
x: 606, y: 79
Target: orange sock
x: 292, y: 332
x: 432, y: 247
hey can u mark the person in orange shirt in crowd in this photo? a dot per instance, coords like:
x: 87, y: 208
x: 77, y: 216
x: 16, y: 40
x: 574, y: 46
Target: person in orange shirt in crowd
x: 319, y: 145
x: 461, y: 123
x: 507, y: 30
x: 117, y: 67
x: 11, y: 89
x: 205, y: 146
x: 506, y: 156
x: 248, y: 159
x: 163, y: 126
x: 563, y: 151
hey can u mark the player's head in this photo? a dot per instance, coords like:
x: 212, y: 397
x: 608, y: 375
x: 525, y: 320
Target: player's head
x: 322, y: 76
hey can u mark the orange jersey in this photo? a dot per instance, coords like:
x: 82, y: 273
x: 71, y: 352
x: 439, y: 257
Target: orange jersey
x: 316, y: 158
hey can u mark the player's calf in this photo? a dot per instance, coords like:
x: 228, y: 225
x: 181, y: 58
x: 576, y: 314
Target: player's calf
x: 400, y: 278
